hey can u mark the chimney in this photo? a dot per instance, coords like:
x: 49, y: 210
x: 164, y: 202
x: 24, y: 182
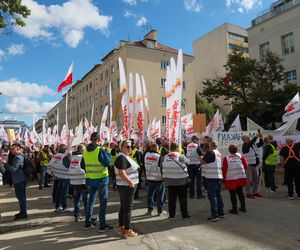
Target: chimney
x: 151, y: 35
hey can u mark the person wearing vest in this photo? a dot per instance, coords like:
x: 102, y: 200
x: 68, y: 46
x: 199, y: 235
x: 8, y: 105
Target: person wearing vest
x: 18, y: 178
x: 77, y: 180
x: 113, y: 155
x: 234, y: 177
x: 290, y: 159
x: 137, y: 156
x: 270, y: 160
x: 250, y: 150
x: 193, y: 153
x: 211, y: 164
x: 126, y: 170
x: 95, y: 162
x: 176, y: 177
x: 44, y: 158
x: 156, y: 187
x: 60, y: 167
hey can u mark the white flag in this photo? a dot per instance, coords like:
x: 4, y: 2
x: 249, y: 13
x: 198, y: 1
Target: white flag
x: 236, y: 125
x: 78, y: 137
x: 292, y: 110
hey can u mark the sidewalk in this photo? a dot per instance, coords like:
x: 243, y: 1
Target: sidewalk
x: 272, y: 222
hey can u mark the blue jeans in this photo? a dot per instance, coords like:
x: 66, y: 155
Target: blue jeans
x: 20, y: 191
x: 157, y: 189
x: 103, y: 196
x: 79, y: 193
x: 214, y: 196
x: 195, y: 173
x: 61, y: 193
x: 42, y: 180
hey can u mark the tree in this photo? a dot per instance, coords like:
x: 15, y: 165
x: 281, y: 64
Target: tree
x: 250, y: 86
x: 203, y: 106
x: 11, y: 13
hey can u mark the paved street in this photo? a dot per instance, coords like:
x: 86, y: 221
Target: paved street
x: 272, y: 222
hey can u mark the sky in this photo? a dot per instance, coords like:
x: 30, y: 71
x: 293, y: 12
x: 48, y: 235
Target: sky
x: 34, y: 59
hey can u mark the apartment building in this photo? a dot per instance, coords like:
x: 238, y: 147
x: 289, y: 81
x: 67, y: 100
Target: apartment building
x: 147, y: 57
x: 211, y: 52
x: 277, y: 29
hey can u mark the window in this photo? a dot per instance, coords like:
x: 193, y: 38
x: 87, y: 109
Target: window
x: 162, y: 82
x: 91, y: 85
x: 183, y: 85
x: 237, y: 37
x: 101, y: 107
x: 263, y: 51
x: 86, y: 88
x: 106, y: 73
x: 287, y: 44
x: 101, y: 76
x: 183, y: 67
x: 233, y: 47
x: 151, y: 44
x: 183, y: 103
x: 106, y: 90
x: 163, y: 119
x: 163, y: 64
x: 163, y: 101
x: 118, y: 83
x: 112, y: 69
x: 290, y: 76
x: 102, y: 92
x: 90, y: 100
x: 112, y: 86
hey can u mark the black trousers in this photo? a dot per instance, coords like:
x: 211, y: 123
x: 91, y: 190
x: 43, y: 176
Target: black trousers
x: 181, y: 192
x: 126, y: 194
x: 293, y: 176
x: 233, y: 197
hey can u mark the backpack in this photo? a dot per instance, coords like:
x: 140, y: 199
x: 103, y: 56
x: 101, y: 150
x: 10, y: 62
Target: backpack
x: 28, y: 167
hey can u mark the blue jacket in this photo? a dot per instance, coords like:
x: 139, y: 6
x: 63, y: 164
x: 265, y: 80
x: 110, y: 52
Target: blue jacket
x: 17, y: 173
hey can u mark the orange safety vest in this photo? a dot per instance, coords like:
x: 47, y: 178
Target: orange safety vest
x: 291, y: 155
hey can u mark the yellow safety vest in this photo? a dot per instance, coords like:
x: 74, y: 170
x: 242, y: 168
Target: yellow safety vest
x: 134, y: 157
x: 45, y: 159
x: 272, y: 159
x: 94, y: 169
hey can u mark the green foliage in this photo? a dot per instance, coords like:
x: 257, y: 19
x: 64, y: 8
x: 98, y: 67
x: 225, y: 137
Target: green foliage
x: 203, y: 106
x: 11, y: 13
x: 255, y: 89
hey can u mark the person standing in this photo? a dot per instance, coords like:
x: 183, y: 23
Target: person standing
x: 18, y: 178
x: 77, y: 180
x: 126, y: 170
x: 44, y: 158
x: 61, y: 165
x: 290, y: 159
x: 193, y: 154
x: 234, y: 177
x: 270, y: 159
x: 95, y: 162
x: 250, y: 150
x: 156, y: 187
x: 176, y: 177
x: 212, y: 170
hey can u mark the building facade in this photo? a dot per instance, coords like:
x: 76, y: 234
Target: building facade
x: 148, y: 58
x: 14, y: 124
x: 211, y: 52
x: 278, y: 30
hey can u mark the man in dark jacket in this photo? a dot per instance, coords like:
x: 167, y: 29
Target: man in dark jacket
x: 18, y: 178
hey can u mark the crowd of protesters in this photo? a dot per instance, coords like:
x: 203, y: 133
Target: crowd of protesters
x: 168, y: 170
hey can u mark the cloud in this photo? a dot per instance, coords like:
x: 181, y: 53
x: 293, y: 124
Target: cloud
x: 129, y: 13
x: 22, y: 105
x: 69, y: 20
x: 15, y: 88
x: 142, y: 21
x: 193, y: 5
x: 16, y: 49
x: 130, y: 2
x: 244, y: 5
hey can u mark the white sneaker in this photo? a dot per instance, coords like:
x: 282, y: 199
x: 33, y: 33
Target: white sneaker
x: 291, y: 198
x: 271, y: 191
x: 163, y: 213
x: 57, y: 210
x: 64, y: 211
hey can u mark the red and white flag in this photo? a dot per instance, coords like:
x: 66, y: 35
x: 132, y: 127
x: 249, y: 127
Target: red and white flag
x: 68, y: 79
x: 139, y: 107
x: 292, y: 110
